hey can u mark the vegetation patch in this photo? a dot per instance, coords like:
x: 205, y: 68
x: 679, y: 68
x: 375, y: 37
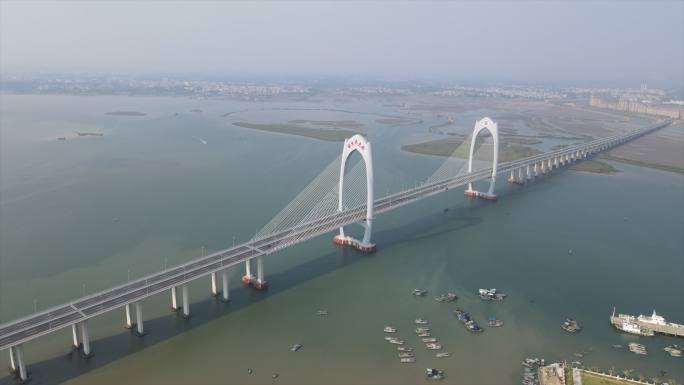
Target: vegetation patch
x: 291, y: 129
x: 658, y: 166
x: 455, y: 147
x: 329, y: 123
x: 594, y: 166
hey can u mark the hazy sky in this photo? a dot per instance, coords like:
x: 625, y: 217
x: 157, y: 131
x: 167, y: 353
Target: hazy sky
x: 602, y: 42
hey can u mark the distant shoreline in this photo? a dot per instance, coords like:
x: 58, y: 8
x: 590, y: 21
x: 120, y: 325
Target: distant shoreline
x: 125, y: 113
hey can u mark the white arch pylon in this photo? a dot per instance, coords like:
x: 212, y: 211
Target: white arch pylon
x: 360, y: 144
x: 492, y: 127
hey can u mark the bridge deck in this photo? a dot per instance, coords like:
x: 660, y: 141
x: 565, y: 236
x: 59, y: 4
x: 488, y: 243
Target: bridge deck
x: 47, y: 321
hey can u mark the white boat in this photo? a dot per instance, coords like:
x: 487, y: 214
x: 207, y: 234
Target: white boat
x: 431, y: 339
x: 407, y: 360
x: 424, y: 334
x: 433, y: 346
x: 406, y: 355
x: 422, y: 329
x: 442, y: 354
x: 396, y: 341
x: 389, y: 329
x: 420, y: 321
x: 404, y: 349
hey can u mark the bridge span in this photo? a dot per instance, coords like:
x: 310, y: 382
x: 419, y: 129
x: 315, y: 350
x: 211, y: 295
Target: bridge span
x: 130, y: 294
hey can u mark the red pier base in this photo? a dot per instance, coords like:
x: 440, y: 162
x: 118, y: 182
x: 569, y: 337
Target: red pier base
x: 252, y: 281
x: 349, y: 241
x: 479, y: 194
x: 259, y: 286
x: 516, y: 181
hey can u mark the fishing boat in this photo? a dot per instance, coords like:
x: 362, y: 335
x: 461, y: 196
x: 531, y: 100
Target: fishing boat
x: 491, y: 295
x: 433, y: 346
x: 389, y: 329
x: 420, y: 321
x: 442, y: 354
x: 407, y: 360
x: 404, y: 349
x: 434, y: 374
x: 432, y: 339
x: 493, y: 322
x: 638, y: 348
x: 295, y: 347
x: 419, y: 292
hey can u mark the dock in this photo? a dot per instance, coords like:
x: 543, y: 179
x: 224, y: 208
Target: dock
x: 654, y: 322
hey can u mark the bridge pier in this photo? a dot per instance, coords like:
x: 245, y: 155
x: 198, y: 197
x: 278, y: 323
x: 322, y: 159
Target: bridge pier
x: 186, y: 302
x: 528, y: 172
x: 74, y: 335
x: 17, y: 362
x: 174, y: 299
x: 86, y: 340
x: 248, y: 277
x: 139, y: 318
x: 260, y: 282
x: 214, y: 290
x: 224, y: 279
x: 129, y: 322
x: 13, y: 365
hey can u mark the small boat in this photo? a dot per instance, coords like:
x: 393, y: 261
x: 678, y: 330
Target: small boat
x: 322, y: 312
x: 434, y: 374
x: 429, y: 339
x: 419, y: 292
x: 494, y: 323
x: 491, y: 295
x: 447, y: 297
x: 405, y: 355
x: 420, y: 321
x: 396, y: 341
x: 424, y: 334
x: 389, y: 329
x: 422, y: 330
x: 388, y: 338
x: 617, y: 346
x: 407, y: 360
x: 434, y: 346
x: 442, y: 354
x: 571, y: 326
x: 404, y: 349
x: 674, y: 350
x: 295, y: 347
x: 638, y: 348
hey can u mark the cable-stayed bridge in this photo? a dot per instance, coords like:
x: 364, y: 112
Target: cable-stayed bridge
x: 326, y: 204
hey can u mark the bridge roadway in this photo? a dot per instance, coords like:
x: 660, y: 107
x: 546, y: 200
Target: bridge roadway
x: 47, y: 321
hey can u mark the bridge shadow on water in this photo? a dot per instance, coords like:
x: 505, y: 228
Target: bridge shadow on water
x: 112, y: 348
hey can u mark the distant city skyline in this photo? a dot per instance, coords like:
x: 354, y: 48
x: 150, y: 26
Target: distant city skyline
x: 562, y: 43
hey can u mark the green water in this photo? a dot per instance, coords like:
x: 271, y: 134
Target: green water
x: 84, y: 214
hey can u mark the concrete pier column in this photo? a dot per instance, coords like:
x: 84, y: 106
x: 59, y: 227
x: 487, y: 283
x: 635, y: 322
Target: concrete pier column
x: 129, y: 322
x: 536, y: 171
x: 174, y: 299
x: 214, y: 290
x: 86, y: 340
x: 19, y: 357
x: 528, y: 172
x: 74, y: 335
x: 224, y: 279
x: 247, y: 278
x: 260, y: 281
x: 512, y: 175
x: 186, y: 302
x: 139, y: 319
x: 13, y: 365
x: 520, y: 173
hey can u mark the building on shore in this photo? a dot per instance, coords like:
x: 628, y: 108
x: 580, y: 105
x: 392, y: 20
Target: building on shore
x: 553, y: 374
x: 627, y: 104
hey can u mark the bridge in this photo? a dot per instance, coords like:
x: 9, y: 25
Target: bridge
x: 75, y: 314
